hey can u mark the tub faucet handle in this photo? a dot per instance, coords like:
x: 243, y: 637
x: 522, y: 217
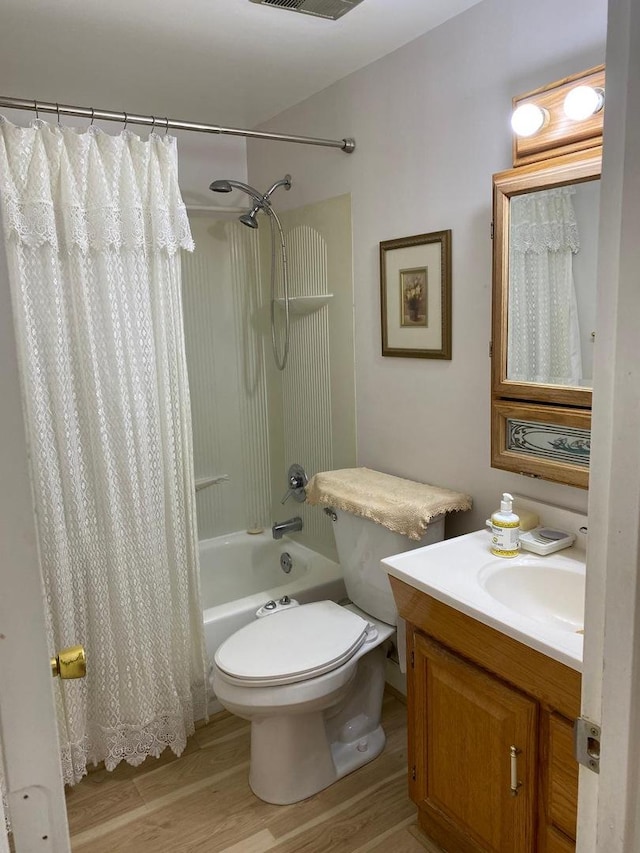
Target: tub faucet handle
x: 297, y: 480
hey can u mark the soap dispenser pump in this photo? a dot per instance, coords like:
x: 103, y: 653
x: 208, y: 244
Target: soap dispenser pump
x: 505, y: 529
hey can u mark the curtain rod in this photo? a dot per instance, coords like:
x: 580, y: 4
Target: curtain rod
x: 347, y: 145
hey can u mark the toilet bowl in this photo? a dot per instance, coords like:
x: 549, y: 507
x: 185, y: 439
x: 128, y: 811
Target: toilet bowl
x: 311, y: 678
x: 311, y: 681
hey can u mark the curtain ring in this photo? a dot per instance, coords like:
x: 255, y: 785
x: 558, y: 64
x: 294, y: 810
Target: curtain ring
x: 153, y: 126
x: 35, y: 107
x: 93, y: 115
x: 58, y: 112
x: 166, y: 129
x: 126, y: 119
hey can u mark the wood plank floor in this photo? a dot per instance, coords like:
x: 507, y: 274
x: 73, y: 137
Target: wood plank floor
x: 202, y: 802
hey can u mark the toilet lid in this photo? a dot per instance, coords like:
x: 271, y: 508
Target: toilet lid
x: 292, y: 645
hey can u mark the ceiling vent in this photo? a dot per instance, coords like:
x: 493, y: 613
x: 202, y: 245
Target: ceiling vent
x: 332, y: 9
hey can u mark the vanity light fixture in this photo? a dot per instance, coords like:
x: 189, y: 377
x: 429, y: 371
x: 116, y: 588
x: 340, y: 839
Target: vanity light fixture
x: 561, y: 117
x: 583, y: 102
x: 528, y: 119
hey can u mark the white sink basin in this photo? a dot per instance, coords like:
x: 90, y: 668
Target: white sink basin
x: 548, y: 593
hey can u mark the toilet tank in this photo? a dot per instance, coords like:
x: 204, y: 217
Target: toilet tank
x: 361, y: 544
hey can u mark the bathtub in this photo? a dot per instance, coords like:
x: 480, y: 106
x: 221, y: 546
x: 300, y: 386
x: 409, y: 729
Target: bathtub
x: 239, y: 572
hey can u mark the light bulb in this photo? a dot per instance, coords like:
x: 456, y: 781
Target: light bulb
x: 527, y: 119
x: 582, y: 102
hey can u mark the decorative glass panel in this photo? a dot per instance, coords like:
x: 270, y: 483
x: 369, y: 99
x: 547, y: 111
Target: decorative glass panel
x: 549, y: 441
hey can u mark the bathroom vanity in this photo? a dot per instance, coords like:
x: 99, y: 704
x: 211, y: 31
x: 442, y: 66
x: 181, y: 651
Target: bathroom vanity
x: 494, y: 652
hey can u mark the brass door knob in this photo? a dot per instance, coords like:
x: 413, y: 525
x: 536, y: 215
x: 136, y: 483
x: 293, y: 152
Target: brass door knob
x: 70, y: 663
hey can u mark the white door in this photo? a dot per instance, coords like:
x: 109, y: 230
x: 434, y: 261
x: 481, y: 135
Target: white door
x: 608, y: 804
x: 27, y: 714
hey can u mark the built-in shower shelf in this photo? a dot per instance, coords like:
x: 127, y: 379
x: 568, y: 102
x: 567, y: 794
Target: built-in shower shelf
x: 205, y: 482
x: 303, y: 305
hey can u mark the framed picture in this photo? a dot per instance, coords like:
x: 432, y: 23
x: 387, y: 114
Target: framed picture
x: 415, y: 296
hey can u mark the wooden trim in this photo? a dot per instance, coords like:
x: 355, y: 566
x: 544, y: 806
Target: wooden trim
x: 560, y: 135
x: 557, y: 842
x: 558, y: 171
x: 562, y: 788
x: 555, y: 685
x: 439, y: 828
x: 535, y: 466
x: 412, y: 699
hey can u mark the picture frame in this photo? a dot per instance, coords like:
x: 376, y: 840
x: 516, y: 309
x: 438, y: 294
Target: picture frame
x: 415, y: 296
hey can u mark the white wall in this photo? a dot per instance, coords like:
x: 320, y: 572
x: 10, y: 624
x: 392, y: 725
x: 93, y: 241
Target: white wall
x: 432, y: 125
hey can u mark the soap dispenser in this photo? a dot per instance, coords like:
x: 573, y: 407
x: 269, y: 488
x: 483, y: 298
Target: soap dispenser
x: 505, y: 529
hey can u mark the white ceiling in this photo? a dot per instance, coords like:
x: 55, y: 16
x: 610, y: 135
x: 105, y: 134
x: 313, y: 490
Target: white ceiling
x: 228, y: 62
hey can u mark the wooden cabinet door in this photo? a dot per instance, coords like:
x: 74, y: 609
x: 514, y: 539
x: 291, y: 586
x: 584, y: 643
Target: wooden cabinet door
x: 464, y: 723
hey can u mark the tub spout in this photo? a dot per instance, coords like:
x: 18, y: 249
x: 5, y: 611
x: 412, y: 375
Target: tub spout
x: 292, y: 525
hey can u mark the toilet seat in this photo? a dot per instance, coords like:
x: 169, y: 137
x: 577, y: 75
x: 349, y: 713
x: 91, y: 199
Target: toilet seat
x: 293, y: 645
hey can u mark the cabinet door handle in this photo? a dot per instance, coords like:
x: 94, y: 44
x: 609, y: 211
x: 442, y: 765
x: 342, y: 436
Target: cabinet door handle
x: 514, y: 752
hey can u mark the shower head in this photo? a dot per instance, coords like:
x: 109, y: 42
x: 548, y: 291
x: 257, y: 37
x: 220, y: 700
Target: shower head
x: 226, y: 186
x: 262, y: 202
x: 220, y: 187
x: 250, y: 219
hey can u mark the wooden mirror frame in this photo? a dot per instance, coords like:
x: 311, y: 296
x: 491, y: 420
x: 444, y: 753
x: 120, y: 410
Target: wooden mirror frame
x: 556, y: 172
x: 550, y: 406
x: 559, y: 421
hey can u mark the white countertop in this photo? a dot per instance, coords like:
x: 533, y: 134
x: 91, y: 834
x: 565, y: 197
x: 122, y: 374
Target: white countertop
x: 453, y: 571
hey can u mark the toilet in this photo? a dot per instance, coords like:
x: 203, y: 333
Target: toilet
x: 311, y: 678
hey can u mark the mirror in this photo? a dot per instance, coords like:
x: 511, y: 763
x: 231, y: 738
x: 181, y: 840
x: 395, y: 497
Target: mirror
x: 544, y: 287
x: 553, y: 241
x: 544, y: 279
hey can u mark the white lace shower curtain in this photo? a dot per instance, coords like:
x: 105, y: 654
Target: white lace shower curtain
x: 543, y: 329
x: 93, y: 226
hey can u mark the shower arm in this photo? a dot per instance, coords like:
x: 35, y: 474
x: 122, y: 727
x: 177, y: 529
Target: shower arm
x: 283, y: 182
